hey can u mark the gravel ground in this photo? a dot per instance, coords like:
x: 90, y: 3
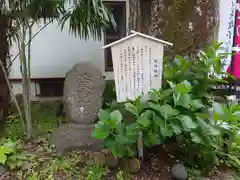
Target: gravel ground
x: 144, y: 174
x: 163, y: 172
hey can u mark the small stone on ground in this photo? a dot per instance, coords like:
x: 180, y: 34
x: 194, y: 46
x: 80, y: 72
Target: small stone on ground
x: 225, y: 176
x: 179, y: 172
x: 3, y: 170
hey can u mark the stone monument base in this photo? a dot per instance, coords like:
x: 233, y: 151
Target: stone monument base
x: 69, y: 137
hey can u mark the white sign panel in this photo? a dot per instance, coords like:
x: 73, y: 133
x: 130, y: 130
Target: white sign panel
x: 137, y: 64
x: 226, y: 27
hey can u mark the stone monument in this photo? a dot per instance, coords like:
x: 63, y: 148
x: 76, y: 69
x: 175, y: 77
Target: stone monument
x: 83, y: 90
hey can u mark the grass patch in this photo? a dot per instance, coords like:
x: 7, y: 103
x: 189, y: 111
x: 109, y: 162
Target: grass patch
x: 36, y: 158
x: 44, y: 121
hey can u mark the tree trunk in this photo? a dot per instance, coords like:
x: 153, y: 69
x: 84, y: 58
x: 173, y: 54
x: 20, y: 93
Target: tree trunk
x: 29, y: 66
x: 25, y: 83
x: 189, y: 25
x: 135, y: 15
x: 4, y: 91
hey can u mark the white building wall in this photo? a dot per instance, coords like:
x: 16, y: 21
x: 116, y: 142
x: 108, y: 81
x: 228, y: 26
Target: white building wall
x: 17, y: 88
x: 54, y: 52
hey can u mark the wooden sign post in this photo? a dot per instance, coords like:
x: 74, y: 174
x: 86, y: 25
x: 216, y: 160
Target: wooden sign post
x: 137, y: 66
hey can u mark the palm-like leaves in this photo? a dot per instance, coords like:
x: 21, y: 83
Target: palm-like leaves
x: 86, y: 18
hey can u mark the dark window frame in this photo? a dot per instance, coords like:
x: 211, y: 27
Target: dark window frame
x: 50, y: 83
x: 116, y: 36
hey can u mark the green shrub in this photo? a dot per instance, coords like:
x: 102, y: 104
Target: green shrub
x: 6, y: 149
x: 109, y: 95
x: 181, y: 108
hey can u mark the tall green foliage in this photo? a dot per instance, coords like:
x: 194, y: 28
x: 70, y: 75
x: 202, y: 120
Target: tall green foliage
x: 84, y: 18
x: 181, y: 109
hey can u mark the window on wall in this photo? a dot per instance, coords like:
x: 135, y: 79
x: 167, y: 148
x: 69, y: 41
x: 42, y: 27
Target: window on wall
x: 118, y: 10
x: 50, y: 88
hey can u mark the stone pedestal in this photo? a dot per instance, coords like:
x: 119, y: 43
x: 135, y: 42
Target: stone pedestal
x: 83, y: 90
x: 70, y: 137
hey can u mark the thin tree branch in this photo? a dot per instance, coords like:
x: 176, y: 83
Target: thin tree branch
x: 12, y: 95
x: 29, y: 62
x: 25, y: 81
x: 29, y: 47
